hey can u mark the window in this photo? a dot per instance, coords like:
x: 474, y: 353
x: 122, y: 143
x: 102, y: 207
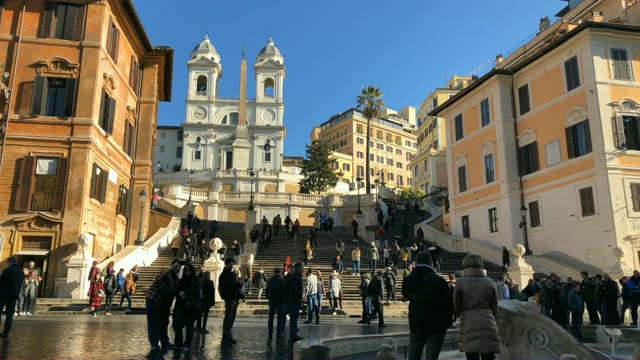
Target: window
x: 359, y: 129
x: 462, y: 178
x: 489, y: 171
x: 380, y: 146
x: 484, y: 112
x: 163, y: 135
x: 408, y: 156
x: 107, y: 112
x: 635, y: 196
x: 197, y: 154
x: 390, y: 176
x: 410, y: 181
x: 426, y: 165
x: 523, y: 99
x: 335, y: 165
x: 63, y: 21
x: 528, y: 159
x: 371, y: 143
x: 99, y: 181
x: 372, y: 157
x: 125, y: 197
x: 381, y: 159
x: 228, y: 158
x: 379, y: 135
x: 578, y: 139
x: 370, y: 172
x: 129, y: 143
x: 161, y: 149
x: 201, y: 85
x: 389, y: 138
x: 360, y: 141
x: 53, y: 96
x: 267, y: 157
x: 179, y: 152
x: 135, y: 75
x: 343, y: 143
x: 390, y: 149
x: 586, y: 201
x: 180, y: 135
x: 458, y: 127
x: 398, y: 140
x: 346, y: 167
x: 399, y: 165
x: 621, y: 69
x: 493, y: 220
x: 628, y: 134
x: 398, y: 151
x: 466, y: 231
x: 360, y: 155
x: 571, y: 73
x: 407, y: 143
x: 400, y: 181
x: 416, y: 171
x: 534, y: 214
x: 390, y: 162
x: 360, y: 170
x: 113, y: 41
x: 41, y: 184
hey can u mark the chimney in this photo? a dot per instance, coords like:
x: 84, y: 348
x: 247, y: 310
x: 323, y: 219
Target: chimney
x: 544, y: 24
x: 498, y: 59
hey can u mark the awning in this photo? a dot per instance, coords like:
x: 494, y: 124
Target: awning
x: 37, y: 252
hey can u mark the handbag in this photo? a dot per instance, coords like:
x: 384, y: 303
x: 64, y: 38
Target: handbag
x: 101, y: 293
x: 193, y: 304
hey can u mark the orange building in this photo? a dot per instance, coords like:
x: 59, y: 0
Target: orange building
x: 78, y: 129
x: 544, y: 150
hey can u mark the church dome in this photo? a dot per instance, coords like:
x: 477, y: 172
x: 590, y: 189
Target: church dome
x: 204, y: 48
x: 269, y: 49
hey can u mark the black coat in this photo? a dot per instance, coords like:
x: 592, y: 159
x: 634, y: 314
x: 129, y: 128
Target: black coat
x: 208, y: 293
x: 431, y: 305
x: 228, y: 286
x: 294, y: 287
x: 376, y: 289
x: 11, y: 282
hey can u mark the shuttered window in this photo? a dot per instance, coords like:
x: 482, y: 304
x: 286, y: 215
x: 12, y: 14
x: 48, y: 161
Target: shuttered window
x: 635, y: 196
x: 572, y: 73
x: 113, y: 41
x: 621, y: 68
x: 135, y: 75
x: 129, y: 143
x: 587, y: 202
x: 53, y: 96
x: 578, y: 139
x: 107, y: 112
x: 523, y: 99
x: 534, y: 214
x: 462, y: 179
x: 42, y: 184
x: 528, y: 159
x: 123, y: 207
x: 99, y: 181
x: 63, y: 21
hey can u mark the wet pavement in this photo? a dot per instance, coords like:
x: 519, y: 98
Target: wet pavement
x: 125, y: 337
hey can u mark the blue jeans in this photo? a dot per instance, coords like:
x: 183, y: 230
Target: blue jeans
x: 355, y: 265
x: 312, y: 306
x: 372, y: 265
x: 319, y: 300
x: 157, y: 324
x: 366, y: 308
x: 20, y: 299
x: 276, y: 307
x: 126, y: 295
x: 9, y: 306
x: 294, y: 314
x: 430, y: 344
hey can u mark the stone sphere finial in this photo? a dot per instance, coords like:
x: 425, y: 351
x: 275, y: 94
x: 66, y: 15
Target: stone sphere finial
x: 215, y: 244
x: 618, y: 253
x: 518, y: 250
x: 85, y: 240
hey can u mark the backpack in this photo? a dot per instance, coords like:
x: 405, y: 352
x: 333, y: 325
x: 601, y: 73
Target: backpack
x: 108, y: 286
x: 275, y: 289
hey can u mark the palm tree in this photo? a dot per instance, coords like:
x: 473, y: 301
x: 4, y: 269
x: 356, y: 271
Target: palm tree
x: 371, y: 104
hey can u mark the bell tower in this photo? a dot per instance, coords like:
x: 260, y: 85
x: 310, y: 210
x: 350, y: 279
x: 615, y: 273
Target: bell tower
x: 204, y: 72
x: 270, y: 74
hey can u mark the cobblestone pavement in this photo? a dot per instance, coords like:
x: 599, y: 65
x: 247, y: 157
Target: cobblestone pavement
x: 125, y: 337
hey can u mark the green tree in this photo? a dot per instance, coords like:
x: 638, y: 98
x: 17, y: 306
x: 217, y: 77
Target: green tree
x: 409, y: 195
x: 371, y: 104
x: 318, y: 175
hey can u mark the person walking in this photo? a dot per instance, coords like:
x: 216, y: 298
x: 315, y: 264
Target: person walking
x: 175, y: 245
x: 338, y: 265
x: 365, y: 279
x: 335, y: 287
x: 208, y: 300
x: 277, y: 222
x: 376, y: 294
x: 311, y: 296
x: 30, y: 291
x: 129, y: 288
x: 96, y: 292
x: 354, y: 228
x: 230, y: 289
x: 374, y: 255
x: 588, y: 289
x: 110, y: 288
x: 355, y: 261
x: 426, y: 292
x: 158, y: 302
x: 276, y: 294
x: 321, y: 291
x: 575, y: 304
x: 308, y: 252
x: 390, y: 284
x: 294, y: 297
x: 476, y: 302
x: 187, y: 308
x: 237, y: 250
x: 260, y: 282
x: 10, y: 287
x: 340, y: 248
x: 506, y: 259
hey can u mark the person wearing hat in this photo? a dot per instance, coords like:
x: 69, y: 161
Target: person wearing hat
x: 390, y: 284
x: 276, y: 294
x: 545, y: 296
x: 373, y: 257
x: 260, y: 281
x: 230, y: 289
x: 335, y: 286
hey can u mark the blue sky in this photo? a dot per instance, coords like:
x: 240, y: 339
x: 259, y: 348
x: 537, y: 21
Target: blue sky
x: 332, y: 48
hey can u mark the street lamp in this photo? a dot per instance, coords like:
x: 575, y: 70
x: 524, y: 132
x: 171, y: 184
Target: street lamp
x: 143, y: 200
x: 523, y: 226
x: 358, y: 179
x: 377, y: 182
x: 250, y: 208
x: 159, y: 165
x: 191, y: 173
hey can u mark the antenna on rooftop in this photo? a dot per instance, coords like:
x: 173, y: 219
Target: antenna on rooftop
x: 444, y: 77
x: 479, y: 68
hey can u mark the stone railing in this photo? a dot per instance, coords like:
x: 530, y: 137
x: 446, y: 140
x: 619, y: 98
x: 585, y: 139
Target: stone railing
x: 432, y: 208
x: 352, y: 200
x: 274, y: 198
x: 145, y: 255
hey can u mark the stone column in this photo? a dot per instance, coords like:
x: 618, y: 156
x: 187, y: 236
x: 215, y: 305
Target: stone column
x: 520, y: 271
x: 78, y: 269
x: 361, y: 225
x: 214, y: 265
x: 250, y: 219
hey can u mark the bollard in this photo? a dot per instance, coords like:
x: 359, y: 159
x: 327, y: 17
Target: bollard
x: 387, y: 350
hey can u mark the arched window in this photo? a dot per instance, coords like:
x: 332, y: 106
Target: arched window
x: 176, y: 167
x: 269, y: 86
x: 231, y: 119
x: 201, y: 85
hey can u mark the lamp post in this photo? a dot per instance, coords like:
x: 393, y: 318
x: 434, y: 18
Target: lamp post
x: 250, y: 208
x: 523, y: 226
x: 143, y: 200
x: 159, y: 166
x: 358, y: 179
x: 377, y: 182
x: 191, y: 173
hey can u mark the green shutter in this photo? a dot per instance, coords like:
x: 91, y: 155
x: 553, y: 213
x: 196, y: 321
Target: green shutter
x: 61, y: 184
x: 127, y: 211
x: 23, y: 194
x: 70, y: 97
x: 78, y: 22
x: 620, y: 132
x: 48, y: 20
x: 94, y: 179
x: 587, y: 136
x: 37, y: 97
x: 103, y: 187
x: 569, y: 134
x: 111, y: 115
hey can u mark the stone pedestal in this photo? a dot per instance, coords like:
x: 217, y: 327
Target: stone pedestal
x: 250, y: 219
x: 620, y: 269
x: 633, y: 335
x: 78, y: 269
x: 387, y: 350
x: 361, y: 225
x: 214, y: 265
x: 520, y: 271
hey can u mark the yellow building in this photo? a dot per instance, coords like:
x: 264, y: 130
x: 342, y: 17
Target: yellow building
x: 429, y: 166
x: 392, y: 146
x: 545, y: 149
x: 78, y: 130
